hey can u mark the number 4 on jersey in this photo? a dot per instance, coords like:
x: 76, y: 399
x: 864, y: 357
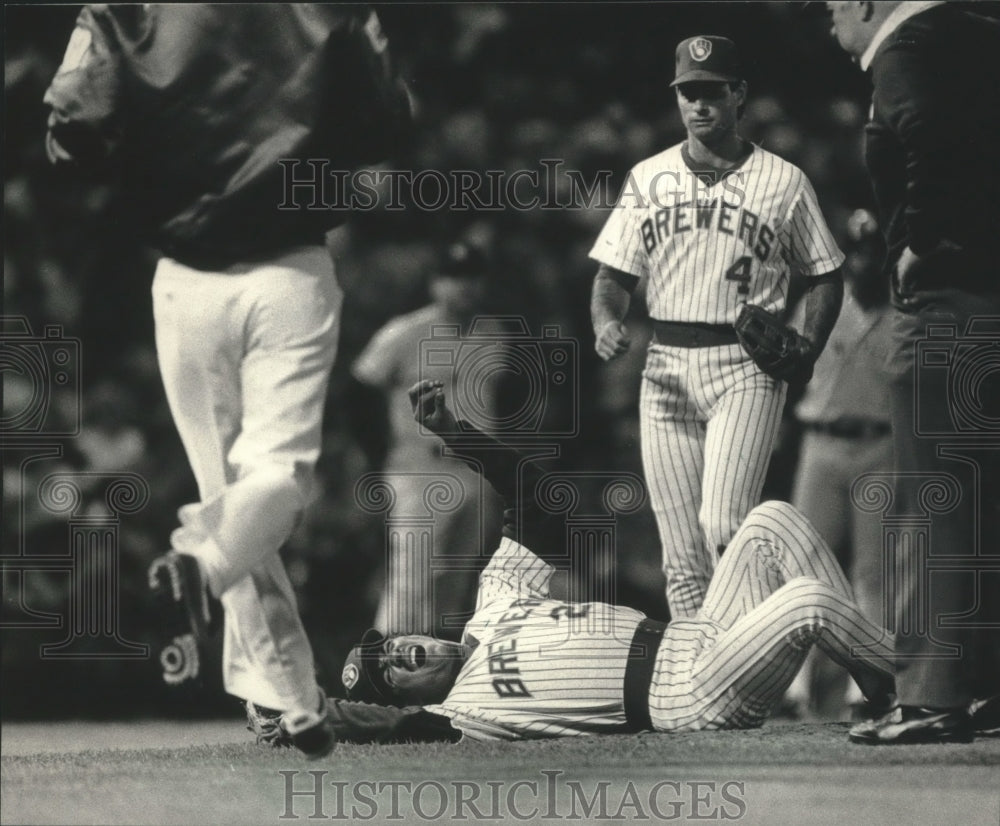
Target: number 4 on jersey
x: 740, y: 271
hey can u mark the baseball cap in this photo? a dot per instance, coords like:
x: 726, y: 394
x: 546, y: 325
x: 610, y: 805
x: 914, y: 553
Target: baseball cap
x: 706, y: 57
x: 361, y: 675
x: 463, y: 260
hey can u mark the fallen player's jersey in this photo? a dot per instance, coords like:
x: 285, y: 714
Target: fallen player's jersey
x: 539, y: 667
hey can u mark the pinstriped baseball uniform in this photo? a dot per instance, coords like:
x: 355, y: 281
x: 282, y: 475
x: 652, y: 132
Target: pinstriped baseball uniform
x: 545, y: 668
x: 704, y: 245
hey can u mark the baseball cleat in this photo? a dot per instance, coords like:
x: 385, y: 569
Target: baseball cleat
x: 913, y: 724
x: 265, y: 723
x: 188, y: 614
x: 312, y: 732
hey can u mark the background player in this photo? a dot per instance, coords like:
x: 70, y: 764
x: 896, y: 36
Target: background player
x: 195, y: 107
x: 422, y: 593
x: 844, y: 415
x: 530, y: 665
x: 712, y: 224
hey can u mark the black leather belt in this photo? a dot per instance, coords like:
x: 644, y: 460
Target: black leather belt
x: 850, y: 428
x: 639, y: 672
x: 693, y: 334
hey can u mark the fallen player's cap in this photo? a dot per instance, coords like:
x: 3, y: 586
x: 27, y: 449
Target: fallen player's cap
x: 706, y: 57
x: 362, y: 674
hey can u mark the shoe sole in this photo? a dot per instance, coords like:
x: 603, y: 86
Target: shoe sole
x: 910, y: 739
x: 181, y: 627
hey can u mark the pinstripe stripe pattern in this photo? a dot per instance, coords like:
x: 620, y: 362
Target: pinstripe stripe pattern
x: 542, y: 667
x: 709, y: 421
x: 684, y: 236
x: 709, y: 417
x: 778, y: 589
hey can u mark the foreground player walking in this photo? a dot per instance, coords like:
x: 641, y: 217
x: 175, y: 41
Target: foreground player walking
x: 530, y: 665
x: 202, y: 110
x: 711, y: 225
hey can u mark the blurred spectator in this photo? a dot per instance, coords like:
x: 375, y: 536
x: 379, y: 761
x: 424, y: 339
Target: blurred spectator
x: 844, y: 416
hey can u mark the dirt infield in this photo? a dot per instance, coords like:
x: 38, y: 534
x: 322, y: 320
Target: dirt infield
x: 210, y: 773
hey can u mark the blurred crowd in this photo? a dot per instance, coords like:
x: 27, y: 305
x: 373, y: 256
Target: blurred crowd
x: 497, y: 87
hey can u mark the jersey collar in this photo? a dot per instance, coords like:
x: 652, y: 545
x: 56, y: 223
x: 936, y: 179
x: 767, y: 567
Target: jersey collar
x: 713, y: 173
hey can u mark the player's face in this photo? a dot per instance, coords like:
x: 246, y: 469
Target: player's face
x: 710, y: 109
x: 848, y: 26
x: 421, y: 669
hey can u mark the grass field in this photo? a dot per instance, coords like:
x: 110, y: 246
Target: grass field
x: 211, y: 773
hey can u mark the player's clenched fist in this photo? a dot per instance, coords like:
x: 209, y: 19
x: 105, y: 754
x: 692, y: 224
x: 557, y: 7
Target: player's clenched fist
x: 429, y: 407
x: 612, y: 340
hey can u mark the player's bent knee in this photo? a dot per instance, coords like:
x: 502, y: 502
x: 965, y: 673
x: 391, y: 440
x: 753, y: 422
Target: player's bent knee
x: 778, y: 519
x: 809, y: 600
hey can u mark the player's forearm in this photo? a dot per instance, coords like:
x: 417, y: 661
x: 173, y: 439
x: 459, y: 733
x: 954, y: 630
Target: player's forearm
x: 515, y: 477
x: 610, y: 297
x: 356, y: 722
x: 822, y: 306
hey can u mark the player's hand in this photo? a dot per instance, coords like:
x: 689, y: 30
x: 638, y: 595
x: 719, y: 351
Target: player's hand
x: 430, y: 409
x: 612, y: 340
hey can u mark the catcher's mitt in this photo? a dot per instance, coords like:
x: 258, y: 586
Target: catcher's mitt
x: 776, y: 348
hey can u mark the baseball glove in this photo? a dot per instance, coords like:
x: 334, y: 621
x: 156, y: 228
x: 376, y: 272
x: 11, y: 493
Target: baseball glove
x: 776, y: 348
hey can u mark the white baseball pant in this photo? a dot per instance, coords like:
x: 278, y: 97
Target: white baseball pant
x: 709, y: 420
x: 245, y: 356
x: 777, y: 591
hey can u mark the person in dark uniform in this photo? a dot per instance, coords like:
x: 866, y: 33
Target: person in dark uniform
x: 221, y: 124
x: 931, y: 151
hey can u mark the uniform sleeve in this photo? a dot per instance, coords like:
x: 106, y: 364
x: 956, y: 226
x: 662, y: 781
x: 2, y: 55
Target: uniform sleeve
x: 619, y: 244
x: 84, y: 125
x: 370, y: 88
x: 377, y: 364
x: 356, y: 722
x: 514, y: 572
x: 811, y: 245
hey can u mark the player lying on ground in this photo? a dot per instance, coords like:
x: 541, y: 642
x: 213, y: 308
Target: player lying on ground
x: 531, y: 666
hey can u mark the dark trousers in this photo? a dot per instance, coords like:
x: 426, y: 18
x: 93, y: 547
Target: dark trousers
x: 941, y: 530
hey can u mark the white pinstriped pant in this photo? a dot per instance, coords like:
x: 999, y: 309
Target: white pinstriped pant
x: 777, y: 590
x: 709, y: 420
x: 245, y: 356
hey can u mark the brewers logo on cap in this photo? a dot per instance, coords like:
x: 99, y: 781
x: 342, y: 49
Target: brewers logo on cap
x: 706, y: 58
x: 700, y: 49
x: 350, y: 676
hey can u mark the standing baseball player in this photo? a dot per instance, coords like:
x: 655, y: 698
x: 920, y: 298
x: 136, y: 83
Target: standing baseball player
x: 209, y: 115
x: 530, y: 665
x: 714, y: 226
